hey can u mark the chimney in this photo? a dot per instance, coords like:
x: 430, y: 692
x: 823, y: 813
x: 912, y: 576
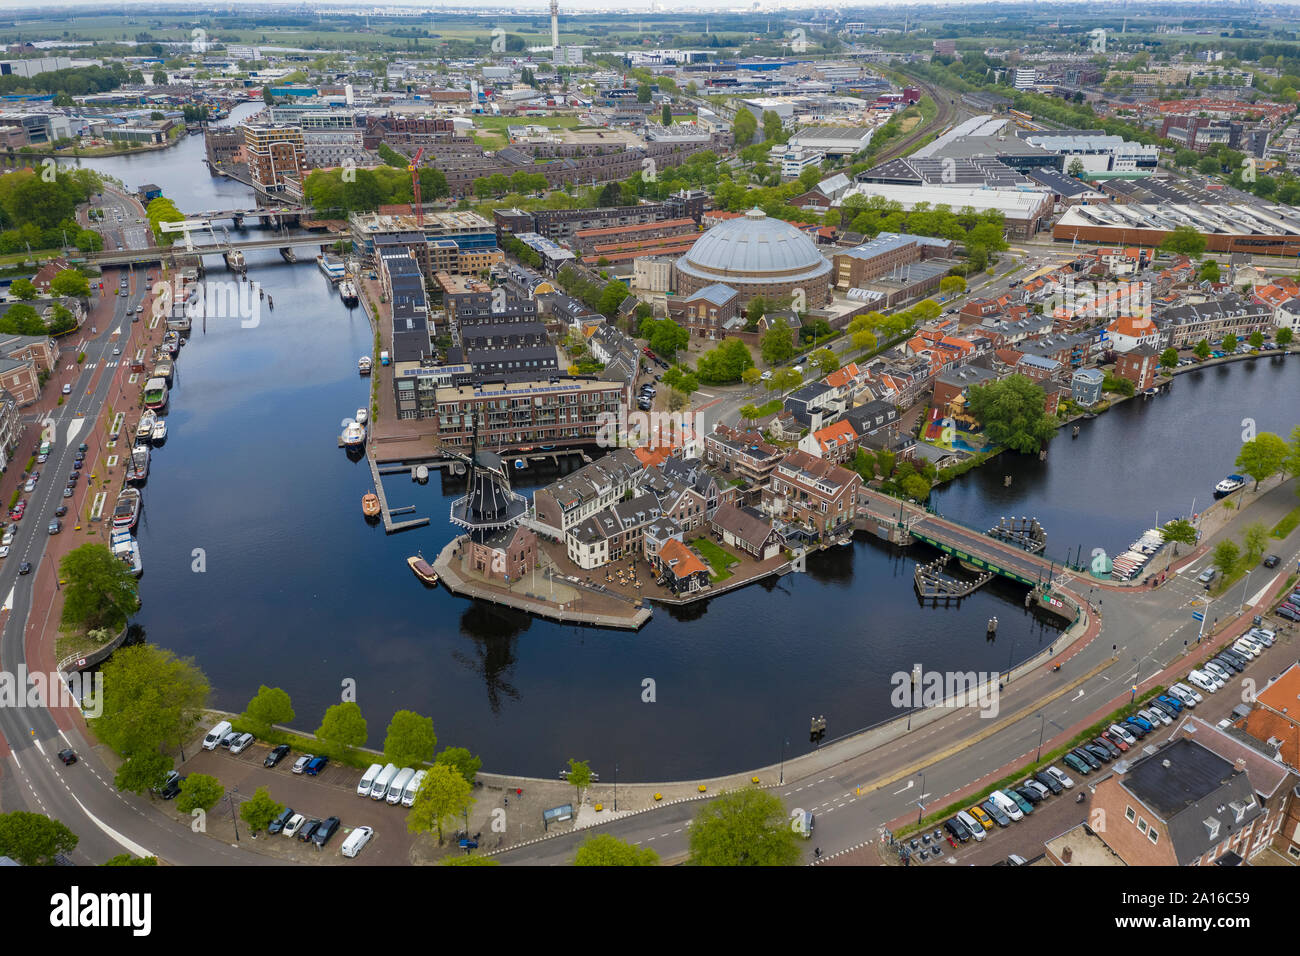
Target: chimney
x: 1067, y: 855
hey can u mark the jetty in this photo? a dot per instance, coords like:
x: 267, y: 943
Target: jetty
x: 1024, y: 533
x: 385, y: 512
x: 934, y: 584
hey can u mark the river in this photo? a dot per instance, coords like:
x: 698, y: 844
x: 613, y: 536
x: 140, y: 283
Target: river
x: 259, y: 564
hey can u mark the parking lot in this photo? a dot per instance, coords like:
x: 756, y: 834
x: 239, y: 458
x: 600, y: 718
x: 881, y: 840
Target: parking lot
x: 333, y: 792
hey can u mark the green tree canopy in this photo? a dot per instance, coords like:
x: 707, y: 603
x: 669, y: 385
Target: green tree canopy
x: 152, y: 698
x: 462, y: 761
x: 725, y: 364
x: 1263, y: 456
x: 199, y: 791
x: 411, y: 740
x: 443, y: 796
x: 1179, y: 531
x: 100, y: 589
x: 142, y: 771
x: 33, y: 839
x: 606, y: 850
x: 1226, y: 555
x: 665, y: 337
x: 1202, y: 350
x: 22, y: 319
x: 777, y: 344
x: 1184, y: 241
x: 743, y: 828
x: 343, y: 725
x: 1012, y: 413
x: 579, y: 776
x: 23, y: 289
x: 1169, y: 358
x: 260, y: 809
x: 270, y: 705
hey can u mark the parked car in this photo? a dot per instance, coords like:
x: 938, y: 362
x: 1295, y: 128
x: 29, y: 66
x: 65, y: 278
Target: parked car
x: 308, y: 829
x: 1083, y: 754
x: 55, y: 526
x: 356, y: 840
x: 1076, y: 763
x: 1154, y: 717
x: 278, y: 824
x: 322, y: 834
x: 1263, y: 635
x: 1060, y: 776
x: 1271, y: 561
x: 294, y: 825
x: 1026, y: 805
x: 67, y: 389
x: 1115, y: 740
x: 958, y: 830
x: 994, y: 811
x: 229, y: 739
x: 1097, y: 752
x: 1285, y: 612
x: 241, y: 743
x: 276, y: 755
x: 1221, y: 671
x: 1106, y: 745
x: 60, y: 511
x: 1047, y: 780
x: 1137, y: 729
x: 300, y: 764
x: 1038, y: 787
x: 981, y: 817
x: 1203, y: 681
x: 315, y: 766
x: 1125, y: 734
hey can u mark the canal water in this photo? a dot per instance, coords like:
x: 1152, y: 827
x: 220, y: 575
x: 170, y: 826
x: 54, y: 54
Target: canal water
x: 259, y: 565
x: 1145, y: 460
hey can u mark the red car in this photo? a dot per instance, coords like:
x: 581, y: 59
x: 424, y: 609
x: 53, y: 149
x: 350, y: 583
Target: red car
x: 1115, y: 740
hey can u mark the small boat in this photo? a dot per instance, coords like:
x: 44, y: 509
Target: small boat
x: 423, y: 570
x: 334, y: 271
x: 270, y: 302
x: 138, y: 468
x: 370, y: 505
x: 348, y: 293
x: 354, y: 434
x: 163, y: 370
x: 261, y: 293
x: 144, y: 431
x: 126, y: 547
x: 421, y: 473
x: 1228, y: 485
x: 363, y: 365
x: 155, y: 394
x: 160, y: 431
x: 519, y: 464
x: 127, y: 509
x: 361, y: 416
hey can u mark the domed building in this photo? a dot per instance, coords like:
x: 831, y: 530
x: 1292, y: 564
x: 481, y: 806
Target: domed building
x: 757, y: 256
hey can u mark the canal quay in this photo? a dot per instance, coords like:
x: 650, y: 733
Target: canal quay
x: 299, y: 591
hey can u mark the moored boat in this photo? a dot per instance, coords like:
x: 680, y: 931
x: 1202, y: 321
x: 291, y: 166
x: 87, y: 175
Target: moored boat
x: 348, y: 292
x: 361, y: 416
x: 144, y: 431
x: 155, y: 393
x: 1228, y: 485
x: 354, y: 433
x: 334, y: 271
x: 363, y: 364
x: 423, y: 570
x: 138, y: 468
x: 127, y: 509
x: 370, y: 505
x: 160, y: 431
x: 163, y: 370
x: 127, y: 548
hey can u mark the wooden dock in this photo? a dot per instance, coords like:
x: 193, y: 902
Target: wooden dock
x: 1024, y: 533
x: 933, y: 583
x: 391, y: 526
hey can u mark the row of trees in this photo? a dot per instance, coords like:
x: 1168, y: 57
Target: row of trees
x: 1267, y: 454
x: 498, y: 184
x: 348, y: 189
x: 605, y: 299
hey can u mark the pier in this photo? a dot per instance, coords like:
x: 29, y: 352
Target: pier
x: 1024, y: 533
x: 385, y: 512
x: 934, y: 584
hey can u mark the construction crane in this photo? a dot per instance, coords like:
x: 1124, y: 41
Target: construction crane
x: 414, y: 170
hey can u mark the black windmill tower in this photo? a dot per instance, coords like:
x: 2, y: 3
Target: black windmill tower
x: 488, y: 505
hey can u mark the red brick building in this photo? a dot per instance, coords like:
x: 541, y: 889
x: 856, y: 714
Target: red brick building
x: 1139, y: 366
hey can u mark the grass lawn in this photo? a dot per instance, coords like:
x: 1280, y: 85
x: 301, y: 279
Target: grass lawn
x: 1287, y: 524
x: 718, y: 559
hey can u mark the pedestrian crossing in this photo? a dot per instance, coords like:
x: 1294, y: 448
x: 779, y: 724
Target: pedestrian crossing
x: 111, y: 363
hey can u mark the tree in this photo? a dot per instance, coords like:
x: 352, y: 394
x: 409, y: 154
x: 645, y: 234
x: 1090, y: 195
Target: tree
x: 1256, y: 339
x: 677, y: 400
x: 270, y: 705
x: 743, y: 828
x: 1179, y: 531
x: 1076, y: 168
x: 579, y: 776
x: 1226, y: 556
x: 607, y: 850
x: 199, y: 791
x: 462, y: 761
x: 726, y: 363
x: 33, y: 839
x: 411, y: 740
x: 1229, y: 343
x: 1169, y: 358
x: 751, y: 376
x: 1255, y: 538
x: 1209, y: 271
x: 666, y: 115
x: 1284, y: 335
x: 443, y: 796
x: 151, y: 698
x: 665, y: 337
x: 23, y: 289
x: 1263, y: 456
x: 744, y: 128
x: 101, y: 591
x: 749, y: 413
x: 777, y: 344
x: 773, y: 127
x: 785, y: 380
x: 159, y: 77
x: 1202, y: 350
x: 126, y: 859
x: 259, y: 810
x: 22, y: 319
x: 952, y: 285
x: 343, y: 725
x: 142, y: 772
x: 644, y: 92
x: 1012, y: 413
x: 825, y: 360
x: 1184, y: 241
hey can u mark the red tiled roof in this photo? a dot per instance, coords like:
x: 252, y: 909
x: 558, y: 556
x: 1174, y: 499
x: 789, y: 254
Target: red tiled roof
x: 680, y: 559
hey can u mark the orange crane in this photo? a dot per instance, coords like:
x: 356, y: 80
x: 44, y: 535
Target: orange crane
x: 414, y: 170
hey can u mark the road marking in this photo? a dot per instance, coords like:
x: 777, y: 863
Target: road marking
x: 9, y: 600
x: 127, y: 842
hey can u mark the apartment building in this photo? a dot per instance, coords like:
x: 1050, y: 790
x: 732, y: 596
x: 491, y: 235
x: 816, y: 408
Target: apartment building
x: 563, y: 504
x: 276, y: 154
x: 813, y: 492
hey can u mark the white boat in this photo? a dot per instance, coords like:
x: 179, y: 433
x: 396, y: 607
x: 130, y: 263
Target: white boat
x: 1228, y: 485
x: 421, y: 473
x: 126, y: 547
x: 144, y: 431
x: 348, y: 292
x: 334, y: 271
x: 160, y: 430
x: 354, y: 433
x: 127, y: 510
x: 361, y: 416
x: 363, y: 364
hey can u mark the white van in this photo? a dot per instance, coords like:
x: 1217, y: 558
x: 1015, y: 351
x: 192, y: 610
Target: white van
x: 213, y: 739
x: 1203, y: 681
x: 1007, y: 805
x: 398, y: 786
x: 974, y: 826
x: 412, y: 788
x: 356, y: 840
x: 379, y: 789
x: 368, y: 780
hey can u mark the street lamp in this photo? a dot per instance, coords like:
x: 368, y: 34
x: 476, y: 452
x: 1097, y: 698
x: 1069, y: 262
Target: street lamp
x: 616, y: 787
x: 1042, y: 726
x: 233, y: 820
x: 920, y: 801
x: 783, y: 746
x: 1246, y: 587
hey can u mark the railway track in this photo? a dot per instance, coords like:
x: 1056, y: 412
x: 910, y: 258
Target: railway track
x: 946, y: 115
